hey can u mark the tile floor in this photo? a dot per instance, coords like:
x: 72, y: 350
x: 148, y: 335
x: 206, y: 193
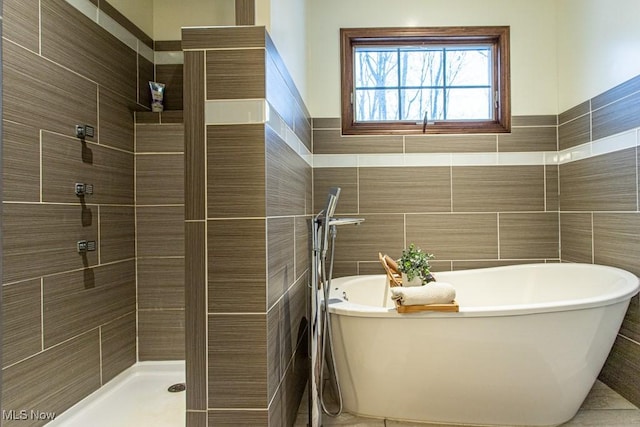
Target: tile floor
x: 602, y: 408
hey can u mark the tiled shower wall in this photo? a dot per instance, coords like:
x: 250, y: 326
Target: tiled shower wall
x: 160, y: 234
x: 248, y: 201
x: 69, y: 318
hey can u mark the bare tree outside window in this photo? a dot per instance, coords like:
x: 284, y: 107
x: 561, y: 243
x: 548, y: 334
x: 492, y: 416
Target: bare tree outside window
x: 405, y: 82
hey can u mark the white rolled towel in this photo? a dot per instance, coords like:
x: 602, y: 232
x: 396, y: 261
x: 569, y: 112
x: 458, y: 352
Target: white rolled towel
x: 431, y: 293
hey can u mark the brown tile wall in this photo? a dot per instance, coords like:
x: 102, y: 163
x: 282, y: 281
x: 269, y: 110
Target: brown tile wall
x: 254, y: 232
x: 468, y: 216
x: 599, y: 213
x: 160, y: 235
x: 69, y: 319
x: 196, y: 249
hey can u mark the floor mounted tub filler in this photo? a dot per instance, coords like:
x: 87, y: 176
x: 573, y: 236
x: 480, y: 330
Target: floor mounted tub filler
x: 524, y: 349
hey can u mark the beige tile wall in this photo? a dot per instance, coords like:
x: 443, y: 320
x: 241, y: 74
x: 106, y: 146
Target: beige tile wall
x: 251, y: 235
x: 69, y: 319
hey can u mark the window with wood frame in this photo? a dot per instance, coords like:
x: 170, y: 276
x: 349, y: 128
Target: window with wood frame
x: 425, y: 80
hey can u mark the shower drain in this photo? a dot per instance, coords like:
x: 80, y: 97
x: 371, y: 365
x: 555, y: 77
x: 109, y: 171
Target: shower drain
x: 177, y: 387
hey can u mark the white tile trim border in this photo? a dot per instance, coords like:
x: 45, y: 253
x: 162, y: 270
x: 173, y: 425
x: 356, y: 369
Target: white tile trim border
x: 235, y: 111
x: 91, y: 11
x: 610, y: 144
x: 253, y: 111
x: 247, y: 111
x: 168, y: 57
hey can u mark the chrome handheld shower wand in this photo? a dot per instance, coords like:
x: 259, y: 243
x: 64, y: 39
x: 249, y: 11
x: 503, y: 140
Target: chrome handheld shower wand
x: 320, y: 342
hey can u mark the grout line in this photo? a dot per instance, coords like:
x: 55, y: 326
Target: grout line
x: 40, y: 27
x: 358, y: 189
x: 498, y: 232
x: 559, y: 236
x: 637, y: 172
x: 75, y: 270
x: 138, y: 76
x: 135, y: 237
x: 590, y: 122
x: 544, y: 186
x: 593, y: 238
x: 451, y: 189
x: 40, y: 164
x: 629, y: 339
x: 97, y: 114
x: 100, y: 353
x: 42, y: 314
x: 205, y: 147
x: 99, y: 236
x: 404, y: 230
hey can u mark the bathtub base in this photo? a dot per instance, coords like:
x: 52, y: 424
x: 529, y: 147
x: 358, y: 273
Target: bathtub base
x: 507, y: 371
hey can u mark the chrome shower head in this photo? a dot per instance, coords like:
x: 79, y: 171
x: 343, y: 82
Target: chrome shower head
x: 345, y: 221
x: 332, y: 201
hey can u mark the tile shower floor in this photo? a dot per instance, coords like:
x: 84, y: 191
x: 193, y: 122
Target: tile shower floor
x: 602, y: 408
x: 138, y: 397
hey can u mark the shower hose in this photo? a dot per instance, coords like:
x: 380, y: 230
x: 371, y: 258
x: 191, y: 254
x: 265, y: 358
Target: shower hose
x: 326, y: 343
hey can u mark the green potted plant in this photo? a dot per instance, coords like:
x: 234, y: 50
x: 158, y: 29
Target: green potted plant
x: 414, y: 266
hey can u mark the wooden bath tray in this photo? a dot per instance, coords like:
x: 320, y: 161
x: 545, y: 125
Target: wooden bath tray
x: 403, y: 309
x: 391, y: 268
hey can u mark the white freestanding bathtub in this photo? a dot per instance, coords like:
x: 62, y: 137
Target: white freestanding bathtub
x: 525, y: 348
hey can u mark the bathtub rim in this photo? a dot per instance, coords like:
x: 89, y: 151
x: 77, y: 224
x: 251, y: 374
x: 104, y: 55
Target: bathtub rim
x: 631, y: 287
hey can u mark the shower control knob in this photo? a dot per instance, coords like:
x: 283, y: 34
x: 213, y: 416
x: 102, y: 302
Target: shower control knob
x: 84, y: 131
x: 86, y: 246
x: 83, y: 189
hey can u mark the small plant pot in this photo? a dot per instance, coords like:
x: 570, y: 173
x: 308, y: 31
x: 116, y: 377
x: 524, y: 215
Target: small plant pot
x: 417, y: 281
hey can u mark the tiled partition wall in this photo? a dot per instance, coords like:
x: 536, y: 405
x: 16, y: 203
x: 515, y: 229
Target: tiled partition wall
x: 69, y: 318
x: 473, y: 201
x: 160, y: 234
x: 247, y: 206
x: 599, y: 213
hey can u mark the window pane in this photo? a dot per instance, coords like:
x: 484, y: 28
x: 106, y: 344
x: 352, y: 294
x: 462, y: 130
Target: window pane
x: 376, y: 68
x: 416, y: 101
x: 469, y: 104
x: 420, y: 67
x: 392, y: 77
x: 376, y: 104
x: 467, y: 67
